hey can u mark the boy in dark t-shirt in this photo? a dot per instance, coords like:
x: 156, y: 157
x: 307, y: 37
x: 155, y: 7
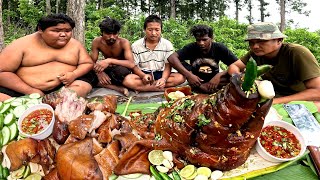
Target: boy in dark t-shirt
x: 204, y: 55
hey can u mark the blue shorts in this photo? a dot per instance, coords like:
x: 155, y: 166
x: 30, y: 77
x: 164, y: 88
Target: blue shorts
x: 156, y: 74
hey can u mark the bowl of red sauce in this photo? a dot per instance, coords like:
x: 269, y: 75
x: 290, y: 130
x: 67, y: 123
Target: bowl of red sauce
x: 280, y: 141
x: 37, y: 122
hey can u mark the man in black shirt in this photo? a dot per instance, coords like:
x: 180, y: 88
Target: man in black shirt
x: 204, y: 55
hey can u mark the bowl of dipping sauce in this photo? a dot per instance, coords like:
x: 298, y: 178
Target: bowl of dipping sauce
x: 175, y: 93
x: 37, y: 122
x: 280, y: 141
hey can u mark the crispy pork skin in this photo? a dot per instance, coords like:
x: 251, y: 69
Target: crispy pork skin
x: 108, y: 158
x: 21, y: 152
x: 76, y: 161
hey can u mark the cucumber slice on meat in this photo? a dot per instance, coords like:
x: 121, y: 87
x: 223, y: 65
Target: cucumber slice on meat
x: 9, y: 119
x: 26, y: 172
x: 34, y: 96
x: 34, y: 176
x: 13, y: 131
x: 17, y: 174
x: 19, y: 110
x: 5, y: 135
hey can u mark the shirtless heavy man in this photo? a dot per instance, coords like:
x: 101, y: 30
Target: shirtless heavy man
x: 118, y: 61
x: 45, y: 60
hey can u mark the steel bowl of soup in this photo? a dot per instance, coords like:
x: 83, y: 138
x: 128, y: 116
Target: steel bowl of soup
x: 37, y: 122
x: 280, y: 141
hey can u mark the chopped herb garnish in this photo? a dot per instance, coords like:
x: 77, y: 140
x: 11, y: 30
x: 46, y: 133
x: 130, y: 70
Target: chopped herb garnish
x: 202, y: 120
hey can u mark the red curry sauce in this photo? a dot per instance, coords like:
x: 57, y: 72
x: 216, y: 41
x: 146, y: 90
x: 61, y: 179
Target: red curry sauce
x: 36, y: 121
x: 279, y: 142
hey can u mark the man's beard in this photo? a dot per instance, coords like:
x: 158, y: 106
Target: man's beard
x: 110, y: 41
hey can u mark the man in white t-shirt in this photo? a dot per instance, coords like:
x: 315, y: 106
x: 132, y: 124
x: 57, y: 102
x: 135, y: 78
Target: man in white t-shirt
x: 152, y: 71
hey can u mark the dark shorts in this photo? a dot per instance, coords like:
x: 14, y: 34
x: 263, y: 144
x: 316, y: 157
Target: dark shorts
x: 116, y: 74
x: 156, y: 74
x: 89, y: 78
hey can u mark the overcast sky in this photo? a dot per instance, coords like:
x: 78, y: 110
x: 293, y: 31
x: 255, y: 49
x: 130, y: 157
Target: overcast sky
x: 300, y: 21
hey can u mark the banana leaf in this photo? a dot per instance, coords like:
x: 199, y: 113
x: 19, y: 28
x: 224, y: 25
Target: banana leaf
x: 288, y: 170
x: 144, y: 108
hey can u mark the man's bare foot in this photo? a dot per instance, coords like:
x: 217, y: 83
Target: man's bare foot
x: 125, y: 92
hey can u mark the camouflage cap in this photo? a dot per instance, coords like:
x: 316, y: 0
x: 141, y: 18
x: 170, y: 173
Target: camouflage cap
x: 264, y: 31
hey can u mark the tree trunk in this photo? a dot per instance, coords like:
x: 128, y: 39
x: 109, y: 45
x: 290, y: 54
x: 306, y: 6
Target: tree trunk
x: 237, y: 10
x: 262, y: 9
x: 48, y: 7
x: 57, y: 6
x: 249, y: 17
x: 173, y: 9
x: 9, y: 8
x: 1, y: 29
x: 75, y: 9
x: 282, y: 15
x: 101, y: 4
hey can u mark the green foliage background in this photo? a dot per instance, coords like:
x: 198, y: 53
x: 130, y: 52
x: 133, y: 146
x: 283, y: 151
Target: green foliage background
x: 227, y: 31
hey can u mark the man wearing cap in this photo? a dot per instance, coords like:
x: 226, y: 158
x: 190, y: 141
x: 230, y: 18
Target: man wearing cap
x: 295, y: 74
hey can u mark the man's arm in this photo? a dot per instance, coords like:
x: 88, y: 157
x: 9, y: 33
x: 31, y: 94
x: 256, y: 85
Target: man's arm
x: 94, y: 50
x: 311, y: 93
x: 191, y: 78
x: 175, y: 63
x: 85, y: 63
x: 236, y: 67
x: 10, y: 60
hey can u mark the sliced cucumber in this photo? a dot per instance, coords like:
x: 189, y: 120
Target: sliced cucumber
x: 33, y: 101
x: 9, y: 100
x: 19, y: 110
x: 26, y: 172
x: 132, y: 176
x: 34, y: 176
x: 5, y: 172
x: 1, y: 173
x: 9, y: 119
x: 5, y: 135
x: 1, y: 103
x: 17, y: 102
x: 4, y: 108
x: 17, y: 174
x: 1, y: 121
x: 34, y: 96
x: 13, y: 131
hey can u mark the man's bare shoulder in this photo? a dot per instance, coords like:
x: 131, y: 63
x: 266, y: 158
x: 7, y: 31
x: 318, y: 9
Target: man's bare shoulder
x: 124, y: 41
x: 28, y: 39
x: 75, y: 42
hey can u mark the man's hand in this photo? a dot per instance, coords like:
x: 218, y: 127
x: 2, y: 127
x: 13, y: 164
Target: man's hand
x: 194, y: 80
x: 104, y: 79
x: 147, y: 79
x: 161, y: 83
x: 67, y: 78
x: 100, y: 66
x: 214, y: 82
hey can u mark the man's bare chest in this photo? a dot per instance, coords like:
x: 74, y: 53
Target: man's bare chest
x: 41, y: 56
x: 112, y: 51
